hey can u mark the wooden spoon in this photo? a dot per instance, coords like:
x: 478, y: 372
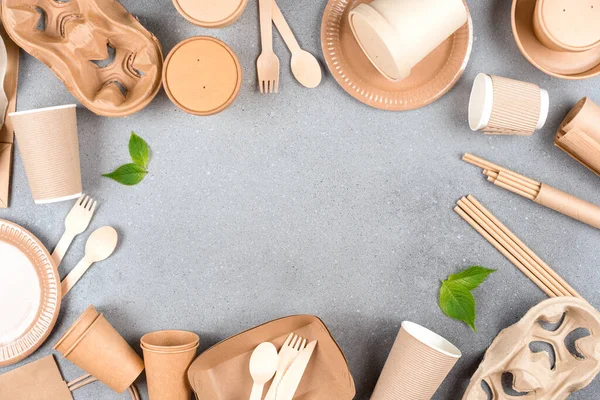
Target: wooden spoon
x: 99, y: 246
x: 263, y: 364
x: 305, y: 67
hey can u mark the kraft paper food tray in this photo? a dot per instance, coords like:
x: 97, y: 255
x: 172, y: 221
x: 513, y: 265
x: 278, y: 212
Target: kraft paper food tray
x: 222, y: 372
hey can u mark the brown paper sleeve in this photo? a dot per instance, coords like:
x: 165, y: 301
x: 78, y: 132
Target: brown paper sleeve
x: 7, y: 131
x: 569, y: 205
x: 582, y: 147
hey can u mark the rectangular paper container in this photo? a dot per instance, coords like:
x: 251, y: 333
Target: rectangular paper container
x: 222, y: 372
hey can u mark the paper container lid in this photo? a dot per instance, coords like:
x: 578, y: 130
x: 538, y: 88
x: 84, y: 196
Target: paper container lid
x: 210, y: 13
x: 376, y: 38
x: 571, y: 25
x: 202, y: 75
x: 481, y: 102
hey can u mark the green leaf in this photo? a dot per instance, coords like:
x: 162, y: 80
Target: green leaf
x: 472, y: 277
x: 128, y: 174
x: 457, y: 302
x: 138, y: 150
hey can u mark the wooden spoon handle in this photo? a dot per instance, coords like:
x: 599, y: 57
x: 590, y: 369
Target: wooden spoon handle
x: 284, y: 29
x: 73, y: 276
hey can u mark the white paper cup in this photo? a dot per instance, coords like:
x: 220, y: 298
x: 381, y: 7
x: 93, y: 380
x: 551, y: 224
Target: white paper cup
x: 397, y: 34
x: 48, y: 143
x: 417, y: 365
x: 505, y: 106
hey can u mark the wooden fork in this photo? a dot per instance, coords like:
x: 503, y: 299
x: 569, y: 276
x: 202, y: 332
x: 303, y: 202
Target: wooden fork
x: 267, y: 64
x: 76, y: 222
x: 293, y: 345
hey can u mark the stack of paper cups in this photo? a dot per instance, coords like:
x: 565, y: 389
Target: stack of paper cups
x: 505, y: 106
x: 419, y: 362
x: 49, y: 147
x: 167, y: 357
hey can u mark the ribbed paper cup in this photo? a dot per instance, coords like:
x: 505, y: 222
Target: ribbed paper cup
x: 417, y: 365
x: 103, y: 353
x: 49, y: 146
x: 167, y: 361
x: 507, y: 107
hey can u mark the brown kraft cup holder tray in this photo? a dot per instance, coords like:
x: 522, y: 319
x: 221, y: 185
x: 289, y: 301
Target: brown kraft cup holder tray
x: 221, y: 372
x: 77, y: 40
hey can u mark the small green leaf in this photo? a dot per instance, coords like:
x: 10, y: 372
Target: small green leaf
x: 138, y: 150
x: 128, y: 174
x: 472, y: 277
x: 457, y: 302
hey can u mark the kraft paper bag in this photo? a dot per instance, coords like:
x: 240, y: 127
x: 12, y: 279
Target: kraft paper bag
x: 39, y: 380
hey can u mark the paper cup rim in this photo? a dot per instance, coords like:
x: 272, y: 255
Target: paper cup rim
x: 58, y: 199
x: 431, y: 339
x: 174, y: 351
x: 482, y: 90
x: 185, y: 346
x: 83, y: 335
x: 79, y: 319
x: 544, y: 108
x: 37, y: 110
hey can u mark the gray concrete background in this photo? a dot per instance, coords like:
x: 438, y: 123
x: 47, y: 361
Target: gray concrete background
x: 311, y: 202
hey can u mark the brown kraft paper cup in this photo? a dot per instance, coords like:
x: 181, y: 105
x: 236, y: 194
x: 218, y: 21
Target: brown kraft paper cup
x: 48, y: 142
x: 81, y: 325
x: 579, y: 134
x: 167, y: 365
x: 418, y: 363
x: 569, y: 205
x: 103, y: 353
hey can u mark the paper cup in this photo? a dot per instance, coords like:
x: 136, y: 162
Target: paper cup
x: 167, y: 357
x: 397, y: 34
x: 417, y: 365
x: 569, y: 26
x: 506, y: 106
x: 103, y: 353
x: 73, y: 334
x: 49, y: 146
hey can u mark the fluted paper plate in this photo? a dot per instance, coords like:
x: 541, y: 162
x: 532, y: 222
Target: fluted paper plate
x: 29, y: 293
x: 429, y: 80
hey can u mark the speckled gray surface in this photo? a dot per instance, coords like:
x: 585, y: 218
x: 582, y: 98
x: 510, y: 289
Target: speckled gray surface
x: 311, y: 202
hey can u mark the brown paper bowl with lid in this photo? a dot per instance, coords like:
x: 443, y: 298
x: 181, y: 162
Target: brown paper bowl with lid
x: 211, y: 14
x: 543, y: 52
x: 553, y: 23
x: 202, y: 75
x: 101, y: 352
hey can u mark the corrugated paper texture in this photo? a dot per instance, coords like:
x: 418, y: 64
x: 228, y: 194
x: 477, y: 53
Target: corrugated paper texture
x: 7, y: 132
x: 413, y: 370
x: 49, y: 146
x: 516, y: 108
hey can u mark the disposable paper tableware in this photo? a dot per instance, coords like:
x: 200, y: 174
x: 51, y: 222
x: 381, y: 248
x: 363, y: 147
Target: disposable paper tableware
x: 560, y: 38
x: 202, y: 76
x: 543, y: 353
x: 397, y: 34
x: 6, y: 129
x: 29, y: 293
x: 209, y: 13
x: 418, y: 363
x: 221, y: 372
x: 167, y: 356
x: 507, y: 107
x: 49, y: 146
x: 101, y: 52
x: 579, y: 134
x: 429, y: 80
x: 101, y: 351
